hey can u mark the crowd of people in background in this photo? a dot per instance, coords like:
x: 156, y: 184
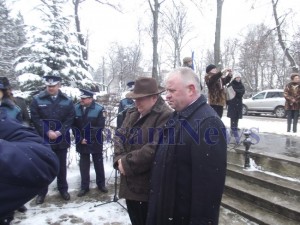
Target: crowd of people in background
x: 166, y: 174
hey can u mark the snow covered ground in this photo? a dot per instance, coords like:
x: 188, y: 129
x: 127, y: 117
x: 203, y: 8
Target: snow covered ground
x: 88, y: 210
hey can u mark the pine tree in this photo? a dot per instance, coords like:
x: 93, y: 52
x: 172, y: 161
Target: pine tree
x: 12, y: 37
x: 53, y: 50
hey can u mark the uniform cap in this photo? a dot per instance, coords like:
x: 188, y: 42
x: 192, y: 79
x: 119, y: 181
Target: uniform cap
x: 51, y: 80
x: 86, y: 93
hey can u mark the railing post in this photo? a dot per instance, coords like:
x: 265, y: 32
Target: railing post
x: 247, y: 143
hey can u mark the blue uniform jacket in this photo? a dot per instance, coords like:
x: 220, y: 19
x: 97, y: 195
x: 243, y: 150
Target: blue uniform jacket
x: 89, y: 125
x: 13, y: 111
x: 57, y: 115
x: 26, y: 164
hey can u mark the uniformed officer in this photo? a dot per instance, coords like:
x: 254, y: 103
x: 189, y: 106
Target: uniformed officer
x: 52, y: 114
x: 87, y: 128
x: 125, y: 104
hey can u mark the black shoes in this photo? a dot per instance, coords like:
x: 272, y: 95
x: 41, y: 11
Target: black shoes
x: 65, y: 195
x: 22, y: 209
x: 40, y: 199
x: 82, y: 192
x: 103, y: 189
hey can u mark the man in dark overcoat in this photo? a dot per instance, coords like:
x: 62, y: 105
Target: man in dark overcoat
x: 27, y: 165
x: 135, y: 144
x: 52, y: 113
x: 189, y: 169
x: 88, y: 125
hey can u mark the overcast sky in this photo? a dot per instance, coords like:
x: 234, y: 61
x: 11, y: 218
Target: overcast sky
x: 106, y: 25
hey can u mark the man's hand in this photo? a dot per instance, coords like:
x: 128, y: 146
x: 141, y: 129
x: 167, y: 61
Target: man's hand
x: 120, y: 167
x: 52, y: 135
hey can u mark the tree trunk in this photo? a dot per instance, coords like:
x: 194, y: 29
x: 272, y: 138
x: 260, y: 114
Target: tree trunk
x: 217, y: 48
x: 281, y: 42
x: 80, y: 37
x: 155, y: 11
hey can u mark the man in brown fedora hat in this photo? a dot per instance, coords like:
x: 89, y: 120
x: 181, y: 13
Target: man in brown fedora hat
x: 135, y: 144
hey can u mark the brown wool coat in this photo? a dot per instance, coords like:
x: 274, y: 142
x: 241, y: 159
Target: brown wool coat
x: 216, y: 91
x: 137, y: 154
x: 292, y: 91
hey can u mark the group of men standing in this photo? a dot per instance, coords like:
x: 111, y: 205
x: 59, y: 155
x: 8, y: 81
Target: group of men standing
x: 172, y: 157
x: 54, y: 115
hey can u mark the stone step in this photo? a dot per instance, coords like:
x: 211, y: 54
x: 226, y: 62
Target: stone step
x: 255, y: 213
x: 279, y: 164
x: 280, y: 184
x: 263, y: 193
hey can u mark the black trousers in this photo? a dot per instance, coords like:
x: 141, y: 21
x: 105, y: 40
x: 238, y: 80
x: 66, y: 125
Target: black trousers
x: 234, y: 123
x: 292, y: 115
x: 62, y: 184
x: 137, y: 212
x: 218, y: 109
x: 84, y: 165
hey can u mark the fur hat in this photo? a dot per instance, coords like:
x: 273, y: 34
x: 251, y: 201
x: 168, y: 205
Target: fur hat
x: 187, y: 59
x: 293, y: 75
x: 144, y: 86
x: 210, y: 67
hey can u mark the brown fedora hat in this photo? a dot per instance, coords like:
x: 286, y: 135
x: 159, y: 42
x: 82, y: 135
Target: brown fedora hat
x: 144, y: 86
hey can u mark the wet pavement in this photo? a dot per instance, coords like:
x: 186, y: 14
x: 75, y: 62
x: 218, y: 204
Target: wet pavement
x: 287, y: 145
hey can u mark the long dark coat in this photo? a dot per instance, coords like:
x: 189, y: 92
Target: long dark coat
x: 57, y: 115
x: 188, y: 173
x: 135, y: 146
x: 292, y: 91
x: 235, y: 105
x: 89, y: 125
x: 26, y: 164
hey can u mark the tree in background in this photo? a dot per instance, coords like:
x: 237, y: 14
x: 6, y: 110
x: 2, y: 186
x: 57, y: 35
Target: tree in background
x: 53, y: 51
x: 12, y: 37
x: 286, y: 50
x: 155, y: 6
x: 177, y: 27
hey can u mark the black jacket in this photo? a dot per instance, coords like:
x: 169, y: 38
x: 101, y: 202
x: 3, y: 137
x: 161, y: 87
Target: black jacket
x: 235, y: 105
x: 57, y: 115
x: 188, y: 173
x: 26, y: 164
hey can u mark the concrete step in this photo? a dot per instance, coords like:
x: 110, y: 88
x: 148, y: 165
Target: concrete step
x: 254, y: 213
x: 279, y: 184
x: 270, y: 162
x: 268, y: 196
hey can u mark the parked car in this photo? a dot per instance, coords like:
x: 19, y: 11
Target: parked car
x: 267, y: 101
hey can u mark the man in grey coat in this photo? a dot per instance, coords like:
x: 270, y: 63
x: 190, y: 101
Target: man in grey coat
x: 135, y: 144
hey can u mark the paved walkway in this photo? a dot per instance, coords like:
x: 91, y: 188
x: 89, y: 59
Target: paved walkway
x: 273, y: 143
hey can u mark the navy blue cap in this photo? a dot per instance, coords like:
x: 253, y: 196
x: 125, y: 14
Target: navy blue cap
x: 51, y: 80
x: 2, y: 86
x: 130, y: 83
x: 5, y: 82
x: 86, y: 93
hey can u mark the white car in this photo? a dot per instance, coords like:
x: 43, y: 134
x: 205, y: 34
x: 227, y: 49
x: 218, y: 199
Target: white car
x: 267, y: 101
